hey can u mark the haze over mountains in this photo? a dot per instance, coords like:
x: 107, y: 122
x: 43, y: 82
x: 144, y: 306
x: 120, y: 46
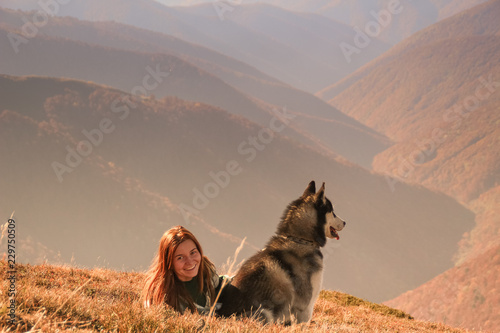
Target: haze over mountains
x: 114, y: 131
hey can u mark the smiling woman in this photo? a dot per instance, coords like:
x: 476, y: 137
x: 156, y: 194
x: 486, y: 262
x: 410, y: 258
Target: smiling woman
x: 180, y: 276
x: 187, y: 261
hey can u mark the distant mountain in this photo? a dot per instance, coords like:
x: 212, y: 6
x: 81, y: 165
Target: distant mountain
x: 90, y: 58
x: 477, y: 21
x: 311, y: 42
x: 409, y: 17
x: 467, y: 295
x: 94, y: 172
x: 390, y: 21
x: 438, y: 102
x: 301, y: 50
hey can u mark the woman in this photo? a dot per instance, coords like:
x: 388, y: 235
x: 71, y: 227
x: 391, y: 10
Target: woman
x: 180, y: 275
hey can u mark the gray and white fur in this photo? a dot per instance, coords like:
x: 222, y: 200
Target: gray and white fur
x: 282, y: 282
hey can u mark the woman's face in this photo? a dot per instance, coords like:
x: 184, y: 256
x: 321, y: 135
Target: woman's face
x: 186, y: 260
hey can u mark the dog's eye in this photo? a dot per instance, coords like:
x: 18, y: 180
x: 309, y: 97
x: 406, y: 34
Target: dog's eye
x: 334, y: 214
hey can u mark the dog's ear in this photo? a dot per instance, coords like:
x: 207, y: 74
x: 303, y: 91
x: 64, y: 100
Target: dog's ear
x: 320, y: 196
x: 310, y: 190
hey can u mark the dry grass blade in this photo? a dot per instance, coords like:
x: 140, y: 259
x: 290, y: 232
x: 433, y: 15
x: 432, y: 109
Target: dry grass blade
x: 4, y: 227
x: 225, y: 281
x: 42, y: 315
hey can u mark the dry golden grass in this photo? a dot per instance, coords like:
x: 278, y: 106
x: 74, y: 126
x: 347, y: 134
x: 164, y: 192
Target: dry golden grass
x: 67, y: 299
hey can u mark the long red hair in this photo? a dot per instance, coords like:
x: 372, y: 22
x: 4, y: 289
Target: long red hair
x: 162, y: 285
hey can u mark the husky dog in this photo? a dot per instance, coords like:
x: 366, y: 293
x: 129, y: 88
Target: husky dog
x: 281, y: 282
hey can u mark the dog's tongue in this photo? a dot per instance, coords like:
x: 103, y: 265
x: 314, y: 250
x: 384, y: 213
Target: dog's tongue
x: 334, y: 233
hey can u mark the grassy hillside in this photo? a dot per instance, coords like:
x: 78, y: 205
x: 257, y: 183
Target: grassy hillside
x: 64, y: 298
